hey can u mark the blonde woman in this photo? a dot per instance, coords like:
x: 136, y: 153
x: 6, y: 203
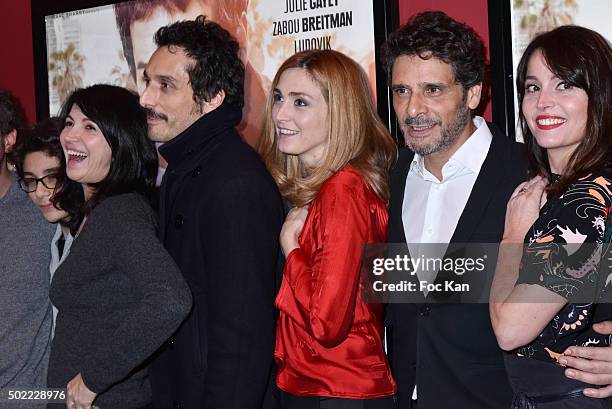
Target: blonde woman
x: 329, y: 154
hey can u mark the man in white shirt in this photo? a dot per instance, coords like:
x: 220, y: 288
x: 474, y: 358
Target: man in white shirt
x: 451, y: 184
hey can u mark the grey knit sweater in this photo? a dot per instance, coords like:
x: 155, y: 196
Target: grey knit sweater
x: 25, y: 310
x: 120, y: 296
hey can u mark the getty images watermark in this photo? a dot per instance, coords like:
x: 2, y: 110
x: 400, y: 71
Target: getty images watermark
x: 421, y: 263
x: 463, y: 272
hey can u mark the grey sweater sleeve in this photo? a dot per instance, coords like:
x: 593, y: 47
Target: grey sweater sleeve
x: 125, y: 235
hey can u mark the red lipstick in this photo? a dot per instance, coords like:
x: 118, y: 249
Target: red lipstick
x: 548, y: 122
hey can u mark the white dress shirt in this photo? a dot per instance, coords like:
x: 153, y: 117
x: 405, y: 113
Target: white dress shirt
x: 431, y: 208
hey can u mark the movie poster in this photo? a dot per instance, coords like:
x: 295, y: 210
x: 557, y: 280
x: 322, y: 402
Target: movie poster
x: 530, y: 17
x: 112, y: 44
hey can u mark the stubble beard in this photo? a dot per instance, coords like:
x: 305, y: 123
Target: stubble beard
x: 448, y: 134
x: 157, y: 136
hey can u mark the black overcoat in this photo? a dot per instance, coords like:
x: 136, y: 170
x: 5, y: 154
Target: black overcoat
x: 220, y: 218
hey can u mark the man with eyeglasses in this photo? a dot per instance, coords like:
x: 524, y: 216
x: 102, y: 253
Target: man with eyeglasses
x: 25, y: 309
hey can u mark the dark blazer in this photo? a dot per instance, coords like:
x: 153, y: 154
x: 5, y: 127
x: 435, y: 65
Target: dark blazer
x: 220, y: 219
x: 450, y: 349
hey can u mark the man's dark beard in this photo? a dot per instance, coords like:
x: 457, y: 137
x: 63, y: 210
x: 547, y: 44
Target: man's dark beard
x: 449, y: 134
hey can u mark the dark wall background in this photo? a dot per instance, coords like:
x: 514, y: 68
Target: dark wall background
x: 472, y: 12
x: 16, y: 53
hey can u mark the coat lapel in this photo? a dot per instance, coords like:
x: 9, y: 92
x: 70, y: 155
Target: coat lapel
x: 490, y: 175
x: 398, y: 186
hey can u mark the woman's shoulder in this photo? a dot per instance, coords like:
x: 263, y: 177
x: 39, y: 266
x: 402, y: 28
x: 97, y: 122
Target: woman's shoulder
x: 595, y: 186
x: 597, y: 176
x: 346, y: 177
x: 348, y: 182
x: 124, y: 207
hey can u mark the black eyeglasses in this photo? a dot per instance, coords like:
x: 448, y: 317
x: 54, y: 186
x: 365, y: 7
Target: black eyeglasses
x: 29, y: 184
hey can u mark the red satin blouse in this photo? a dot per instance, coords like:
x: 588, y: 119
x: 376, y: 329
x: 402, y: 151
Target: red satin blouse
x: 328, y: 341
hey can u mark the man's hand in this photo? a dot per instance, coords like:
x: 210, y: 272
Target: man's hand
x: 591, y: 364
x: 79, y: 396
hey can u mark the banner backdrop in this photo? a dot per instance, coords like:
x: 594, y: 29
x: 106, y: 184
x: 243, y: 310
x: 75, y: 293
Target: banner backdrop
x: 112, y: 43
x: 530, y: 17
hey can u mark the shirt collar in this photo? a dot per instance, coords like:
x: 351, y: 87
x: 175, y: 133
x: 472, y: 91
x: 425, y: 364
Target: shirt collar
x: 417, y: 166
x: 474, y: 151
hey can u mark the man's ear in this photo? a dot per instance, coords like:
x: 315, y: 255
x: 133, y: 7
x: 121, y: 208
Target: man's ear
x: 474, y: 95
x: 9, y: 140
x: 214, y: 103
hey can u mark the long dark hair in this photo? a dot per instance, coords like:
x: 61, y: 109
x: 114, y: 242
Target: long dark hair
x: 44, y: 137
x: 582, y: 58
x: 123, y: 123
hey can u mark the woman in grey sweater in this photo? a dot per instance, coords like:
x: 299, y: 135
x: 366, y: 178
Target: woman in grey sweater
x: 119, y: 294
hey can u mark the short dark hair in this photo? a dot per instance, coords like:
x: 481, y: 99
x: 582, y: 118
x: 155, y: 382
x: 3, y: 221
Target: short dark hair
x: 123, y: 122
x: 42, y: 137
x: 127, y: 13
x: 11, y: 115
x: 435, y: 34
x: 582, y: 58
x: 45, y: 137
x: 217, y: 65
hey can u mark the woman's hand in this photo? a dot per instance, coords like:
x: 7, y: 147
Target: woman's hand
x: 524, y: 208
x: 79, y: 396
x: 292, y: 227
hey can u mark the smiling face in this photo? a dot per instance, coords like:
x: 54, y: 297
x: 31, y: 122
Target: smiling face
x: 300, y: 115
x: 555, y: 111
x: 168, y: 96
x: 37, y: 165
x: 433, y: 112
x: 88, y: 155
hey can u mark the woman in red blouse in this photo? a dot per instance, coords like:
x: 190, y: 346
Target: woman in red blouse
x: 330, y: 154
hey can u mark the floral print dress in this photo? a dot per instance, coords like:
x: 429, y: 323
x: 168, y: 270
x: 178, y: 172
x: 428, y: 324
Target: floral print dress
x: 567, y: 252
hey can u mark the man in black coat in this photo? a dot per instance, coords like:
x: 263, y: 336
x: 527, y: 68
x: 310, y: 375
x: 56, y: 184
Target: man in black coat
x: 220, y: 218
x: 451, y: 184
